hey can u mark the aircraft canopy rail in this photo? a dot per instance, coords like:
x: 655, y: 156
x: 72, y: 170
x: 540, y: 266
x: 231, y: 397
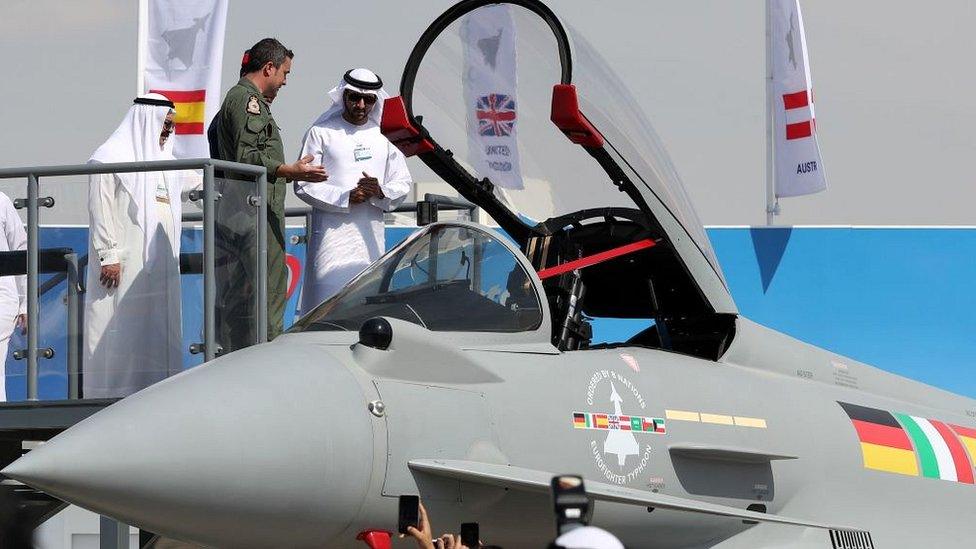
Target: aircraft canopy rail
x: 553, y: 132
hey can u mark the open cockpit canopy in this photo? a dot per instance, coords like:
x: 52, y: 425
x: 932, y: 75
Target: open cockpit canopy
x: 523, y: 117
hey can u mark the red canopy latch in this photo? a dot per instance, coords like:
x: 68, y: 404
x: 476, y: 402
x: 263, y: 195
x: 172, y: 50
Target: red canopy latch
x: 568, y: 118
x: 397, y: 127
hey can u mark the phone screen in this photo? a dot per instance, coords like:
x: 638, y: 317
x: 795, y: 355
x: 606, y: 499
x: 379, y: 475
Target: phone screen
x: 409, y: 513
x: 469, y: 535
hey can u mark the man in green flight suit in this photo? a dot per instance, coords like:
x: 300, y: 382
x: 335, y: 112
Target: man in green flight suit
x: 245, y: 131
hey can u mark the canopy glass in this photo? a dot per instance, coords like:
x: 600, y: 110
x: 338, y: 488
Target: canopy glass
x: 551, y: 176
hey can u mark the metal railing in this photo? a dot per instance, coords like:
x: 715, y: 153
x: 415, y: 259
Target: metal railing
x: 436, y: 202
x: 34, y: 202
x: 426, y: 211
x: 63, y: 262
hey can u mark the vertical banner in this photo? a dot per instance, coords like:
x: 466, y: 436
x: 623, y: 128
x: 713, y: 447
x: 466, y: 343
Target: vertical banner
x: 183, y: 52
x: 799, y: 169
x: 491, y: 94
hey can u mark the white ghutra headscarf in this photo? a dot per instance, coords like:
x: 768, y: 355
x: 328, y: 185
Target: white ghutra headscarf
x: 137, y: 140
x: 363, y: 81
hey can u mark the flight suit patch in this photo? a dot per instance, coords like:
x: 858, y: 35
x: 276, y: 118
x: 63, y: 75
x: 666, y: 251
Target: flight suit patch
x: 253, y: 107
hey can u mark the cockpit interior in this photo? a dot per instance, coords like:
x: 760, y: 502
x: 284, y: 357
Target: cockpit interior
x: 461, y: 278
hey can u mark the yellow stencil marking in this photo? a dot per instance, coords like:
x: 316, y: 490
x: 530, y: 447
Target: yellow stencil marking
x: 717, y: 419
x: 750, y: 422
x: 678, y: 415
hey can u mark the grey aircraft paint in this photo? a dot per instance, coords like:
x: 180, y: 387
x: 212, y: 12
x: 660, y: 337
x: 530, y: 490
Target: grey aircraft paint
x: 734, y: 436
x: 213, y: 456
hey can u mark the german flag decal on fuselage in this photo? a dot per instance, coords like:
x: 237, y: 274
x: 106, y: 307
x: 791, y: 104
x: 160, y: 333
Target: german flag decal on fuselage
x: 911, y: 445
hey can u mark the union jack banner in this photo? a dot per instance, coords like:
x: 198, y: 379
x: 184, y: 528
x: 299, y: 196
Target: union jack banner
x: 496, y: 114
x: 491, y: 94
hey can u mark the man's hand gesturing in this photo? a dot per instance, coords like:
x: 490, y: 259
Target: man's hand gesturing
x: 303, y: 170
x: 371, y: 186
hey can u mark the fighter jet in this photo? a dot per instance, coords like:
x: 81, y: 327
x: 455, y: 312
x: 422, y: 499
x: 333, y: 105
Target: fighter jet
x: 462, y: 367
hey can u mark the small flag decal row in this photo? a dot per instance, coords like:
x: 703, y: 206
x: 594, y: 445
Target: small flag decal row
x: 912, y: 445
x: 611, y: 422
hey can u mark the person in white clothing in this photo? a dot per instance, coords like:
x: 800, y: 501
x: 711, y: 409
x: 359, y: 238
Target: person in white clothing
x: 133, y: 335
x: 367, y: 176
x: 587, y: 537
x: 13, y: 289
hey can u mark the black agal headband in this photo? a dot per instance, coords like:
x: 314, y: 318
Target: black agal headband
x: 362, y: 83
x: 154, y: 102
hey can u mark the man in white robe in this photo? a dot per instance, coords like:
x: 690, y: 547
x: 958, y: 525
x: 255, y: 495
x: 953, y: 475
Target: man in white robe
x: 133, y: 335
x: 367, y: 176
x: 13, y: 289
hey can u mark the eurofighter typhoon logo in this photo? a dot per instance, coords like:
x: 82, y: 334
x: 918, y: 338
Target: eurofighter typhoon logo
x: 624, y: 433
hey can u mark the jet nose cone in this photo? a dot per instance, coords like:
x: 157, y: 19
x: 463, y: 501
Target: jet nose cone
x: 266, y: 447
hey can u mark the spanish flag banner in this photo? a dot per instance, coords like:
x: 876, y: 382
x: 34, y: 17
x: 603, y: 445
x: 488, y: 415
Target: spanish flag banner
x: 181, y: 45
x: 191, y: 109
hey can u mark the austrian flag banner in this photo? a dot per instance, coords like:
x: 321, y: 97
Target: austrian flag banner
x: 490, y: 94
x: 799, y: 168
x: 183, y: 50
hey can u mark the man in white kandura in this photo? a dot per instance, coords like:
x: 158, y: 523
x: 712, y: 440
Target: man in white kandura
x: 367, y: 176
x: 13, y: 289
x: 133, y: 335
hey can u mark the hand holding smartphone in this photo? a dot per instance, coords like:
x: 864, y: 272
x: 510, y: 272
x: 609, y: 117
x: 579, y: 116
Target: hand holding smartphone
x: 469, y: 535
x: 409, y: 514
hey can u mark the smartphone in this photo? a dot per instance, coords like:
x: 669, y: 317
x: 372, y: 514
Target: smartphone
x: 570, y: 502
x: 469, y: 535
x: 409, y: 513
